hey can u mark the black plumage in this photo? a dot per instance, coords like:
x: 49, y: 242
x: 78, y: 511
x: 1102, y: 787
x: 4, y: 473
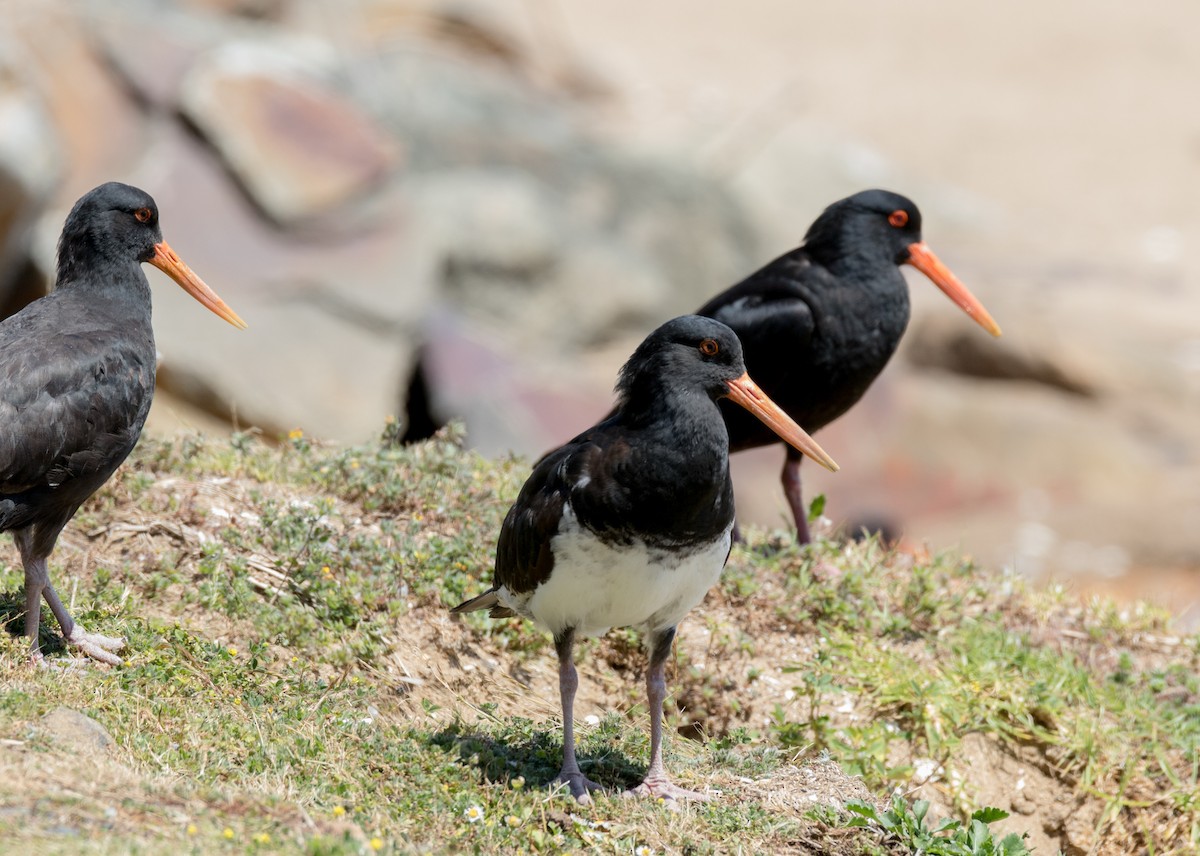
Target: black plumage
x: 76, y: 381
x: 629, y: 523
x: 819, y: 323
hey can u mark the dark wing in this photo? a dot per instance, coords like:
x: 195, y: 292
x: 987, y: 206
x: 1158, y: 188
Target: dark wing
x: 71, y: 403
x: 523, y: 555
x: 770, y: 310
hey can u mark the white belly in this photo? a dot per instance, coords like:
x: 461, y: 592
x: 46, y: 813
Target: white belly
x: 595, y: 586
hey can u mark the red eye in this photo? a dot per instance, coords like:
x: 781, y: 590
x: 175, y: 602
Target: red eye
x: 143, y: 215
x: 898, y: 218
x: 709, y: 347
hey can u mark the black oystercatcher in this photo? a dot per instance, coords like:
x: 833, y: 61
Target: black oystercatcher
x: 628, y: 525
x: 76, y: 379
x: 819, y: 323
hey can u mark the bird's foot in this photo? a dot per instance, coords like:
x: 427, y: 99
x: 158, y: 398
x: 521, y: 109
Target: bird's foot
x: 579, y: 785
x: 663, y: 789
x: 96, y: 646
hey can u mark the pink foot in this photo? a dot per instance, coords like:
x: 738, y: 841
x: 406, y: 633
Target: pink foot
x: 663, y: 789
x: 579, y: 785
x: 97, y: 647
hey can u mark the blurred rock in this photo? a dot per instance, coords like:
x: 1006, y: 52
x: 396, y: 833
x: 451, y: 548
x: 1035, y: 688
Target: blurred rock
x: 99, y: 128
x: 689, y: 229
x: 152, y: 45
x: 30, y: 166
x: 298, y: 149
x: 943, y: 341
x: 333, y: 325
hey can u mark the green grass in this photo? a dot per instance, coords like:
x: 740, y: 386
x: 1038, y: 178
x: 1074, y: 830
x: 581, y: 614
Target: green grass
x: 274, y: 599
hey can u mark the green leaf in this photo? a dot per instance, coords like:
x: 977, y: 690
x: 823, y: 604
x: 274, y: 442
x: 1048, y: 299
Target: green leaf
x: 1013, y: 845
x: 919, y: 809
x: 948, y: 823
x: 989, y: 814
x: 816, y: 508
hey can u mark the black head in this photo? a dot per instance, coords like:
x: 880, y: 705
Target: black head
x: 113, y: 229
x: 877, y: 224
x: 693, y: 355
x: 687, y: 353
x: 111, y: 224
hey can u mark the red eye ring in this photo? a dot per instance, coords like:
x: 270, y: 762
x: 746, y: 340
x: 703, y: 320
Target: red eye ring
x: 898, y: 218
x: 143, y: 215
x: 709, y: 347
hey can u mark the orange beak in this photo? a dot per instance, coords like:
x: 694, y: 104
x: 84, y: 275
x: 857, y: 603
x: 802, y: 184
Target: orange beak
x: 923, y: 259
x: 164, y: 259
x: 745, y: 392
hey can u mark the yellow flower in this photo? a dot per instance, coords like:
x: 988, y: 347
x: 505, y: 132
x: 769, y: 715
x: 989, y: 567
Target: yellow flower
x: 295, y: 434
x: 513, y: 821
x: 376, y: 843
x: 232, y: 651
x: 228, y: 833
x: 191, y: 829
x: 262, y: 838
x: 339, y: 811
x: 473, y: 814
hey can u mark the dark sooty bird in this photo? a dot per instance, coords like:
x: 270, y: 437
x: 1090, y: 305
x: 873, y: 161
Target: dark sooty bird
x: 76, y: 378
x: 628, y: 525
x: 819, y: 323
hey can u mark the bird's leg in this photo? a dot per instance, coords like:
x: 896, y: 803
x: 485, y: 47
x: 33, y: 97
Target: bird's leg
x: 790, y: 477
x: 95, y: 645
x: 36, y: 579
x: 656, y: 784
x: 37, y: 586
x: 568, y: 682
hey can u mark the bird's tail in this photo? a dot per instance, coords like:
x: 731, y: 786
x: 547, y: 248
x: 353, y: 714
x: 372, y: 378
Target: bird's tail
x: 489, y: 600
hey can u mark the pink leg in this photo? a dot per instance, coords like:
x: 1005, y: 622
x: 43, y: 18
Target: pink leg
x: 37, y: 586
x: 790, y: 477
x: 656, y: 784
x: 568, y: 682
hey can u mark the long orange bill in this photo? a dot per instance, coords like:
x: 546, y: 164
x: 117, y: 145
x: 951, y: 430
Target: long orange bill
x: 923, y: 259
x: 164, y: 259
x: 746, y: 393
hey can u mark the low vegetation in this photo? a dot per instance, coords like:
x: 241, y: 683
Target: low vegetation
x: 293, y: 684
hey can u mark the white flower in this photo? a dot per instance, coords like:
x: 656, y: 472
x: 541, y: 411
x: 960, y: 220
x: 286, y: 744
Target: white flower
x: 474, y: 813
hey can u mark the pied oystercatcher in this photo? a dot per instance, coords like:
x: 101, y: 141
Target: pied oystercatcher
x: 629, y: 523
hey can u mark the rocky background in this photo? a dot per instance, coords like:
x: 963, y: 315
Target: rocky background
x: 441, y: 209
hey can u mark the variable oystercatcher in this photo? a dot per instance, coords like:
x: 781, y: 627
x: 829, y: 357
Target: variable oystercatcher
x: 76, y: 379
x: 629, y: 524
x: 819, y: 323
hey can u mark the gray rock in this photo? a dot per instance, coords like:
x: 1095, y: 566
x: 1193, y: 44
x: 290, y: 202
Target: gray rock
x: 298, y: 148
x: 30, y: 166
x: 75, y: 731
x: 455, y: 116
x: 332, y: 325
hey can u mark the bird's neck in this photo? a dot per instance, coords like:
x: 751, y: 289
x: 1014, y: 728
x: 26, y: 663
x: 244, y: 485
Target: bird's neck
x: 115, y: 282
x: 682, y: 431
